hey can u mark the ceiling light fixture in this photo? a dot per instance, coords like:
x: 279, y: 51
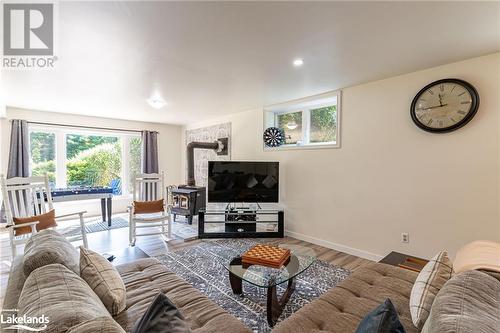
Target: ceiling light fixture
x: 298, y: 62
x: 156, y: 103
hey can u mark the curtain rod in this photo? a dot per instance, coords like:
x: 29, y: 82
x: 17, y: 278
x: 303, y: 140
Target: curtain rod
x: 87, y: 127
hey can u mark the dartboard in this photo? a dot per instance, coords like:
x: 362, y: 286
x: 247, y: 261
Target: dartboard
x: 274, y: 137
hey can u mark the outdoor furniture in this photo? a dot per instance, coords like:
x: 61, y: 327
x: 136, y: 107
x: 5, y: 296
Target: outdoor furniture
x: 148, y: 188
x: 28, y: 197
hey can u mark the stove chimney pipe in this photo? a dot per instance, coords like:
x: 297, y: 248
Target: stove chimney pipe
x: 220, y: 146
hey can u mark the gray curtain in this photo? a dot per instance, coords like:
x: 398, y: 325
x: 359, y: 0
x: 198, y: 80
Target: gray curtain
x: 19, y: 158
x: 149, y: 154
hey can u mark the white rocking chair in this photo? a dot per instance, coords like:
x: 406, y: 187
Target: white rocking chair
x: 30, y: 196
x: 150, y: 187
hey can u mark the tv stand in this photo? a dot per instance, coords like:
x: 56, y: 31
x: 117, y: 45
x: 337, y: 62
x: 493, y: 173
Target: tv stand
x: 240, y: 223
x: 232, y: 206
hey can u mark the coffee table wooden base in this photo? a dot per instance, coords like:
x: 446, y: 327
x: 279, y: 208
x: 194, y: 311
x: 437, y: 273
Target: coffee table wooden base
x: 275, y: 306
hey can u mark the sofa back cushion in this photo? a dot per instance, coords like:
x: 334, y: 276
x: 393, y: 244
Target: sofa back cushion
x: 481, y: 254
x: 59, y: 294
x: 103, y: 278
x: 468, y: 302
x: 49, y: 247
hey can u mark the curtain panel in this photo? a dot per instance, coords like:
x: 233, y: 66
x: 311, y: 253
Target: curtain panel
x: 149, y: 153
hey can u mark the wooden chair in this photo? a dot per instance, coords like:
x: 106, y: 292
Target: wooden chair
x: 150, y: 187
x: 30, y: 196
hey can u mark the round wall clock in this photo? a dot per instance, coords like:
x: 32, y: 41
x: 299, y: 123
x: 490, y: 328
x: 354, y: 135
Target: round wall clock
x: 274, y: 137
x: 444, y: 105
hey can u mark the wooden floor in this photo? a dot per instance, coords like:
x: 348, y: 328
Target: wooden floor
x: 116, y: 240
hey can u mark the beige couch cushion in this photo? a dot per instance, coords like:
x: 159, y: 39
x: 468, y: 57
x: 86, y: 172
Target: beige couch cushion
x: 101, y: 325
x: 429, y: 281
x: 145, y: 278
x: 468, y: 302
x: 49, y: 247
x: 481, y: 254
x: 341, y: 308
x: 103, y: 278
x: 15, y: 284
x: 58, y: 293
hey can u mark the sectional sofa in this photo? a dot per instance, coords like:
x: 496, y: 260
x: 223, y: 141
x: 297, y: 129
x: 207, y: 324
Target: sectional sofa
x: 56, y: 290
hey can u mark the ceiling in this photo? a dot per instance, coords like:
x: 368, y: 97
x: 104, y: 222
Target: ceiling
x: 208, y: 59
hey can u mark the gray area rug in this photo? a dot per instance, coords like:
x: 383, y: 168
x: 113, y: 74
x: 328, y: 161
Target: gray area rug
x: 94, y: 225
x: 201, y: 267
x: 181, y: 229
x: 116, y: 222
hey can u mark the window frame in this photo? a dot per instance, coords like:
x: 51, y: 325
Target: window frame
x: 61, y: 153
x: 305, y: 105
x: 303, y: 123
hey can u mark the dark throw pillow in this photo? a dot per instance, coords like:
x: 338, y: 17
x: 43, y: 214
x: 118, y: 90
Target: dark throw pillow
x: 162, y: 316
x: 383, y: 319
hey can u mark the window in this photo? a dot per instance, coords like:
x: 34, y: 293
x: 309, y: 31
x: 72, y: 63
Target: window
x: 291, y: 123
x: 323, y: 124
x: 74, y: 157
x: 43, y: 154
x: 308, y: 123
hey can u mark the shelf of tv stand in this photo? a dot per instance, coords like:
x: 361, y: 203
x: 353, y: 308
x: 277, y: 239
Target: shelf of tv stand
x: 220, y: 216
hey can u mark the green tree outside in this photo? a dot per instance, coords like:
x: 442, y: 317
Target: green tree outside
x: 43, y: 146
x: 324, y: 124
x: 135, y: 160
x: 76, y: 143
x: 96, y: 166
x: 45, y: 168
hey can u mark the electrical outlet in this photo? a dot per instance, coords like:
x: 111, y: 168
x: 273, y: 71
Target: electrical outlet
x: 405, y: 237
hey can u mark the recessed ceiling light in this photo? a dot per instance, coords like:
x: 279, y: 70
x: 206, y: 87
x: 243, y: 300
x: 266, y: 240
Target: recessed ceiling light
x: 298, y: 62
x: 156, y: 103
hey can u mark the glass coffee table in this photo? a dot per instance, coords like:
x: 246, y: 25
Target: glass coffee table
x: 301, y: 259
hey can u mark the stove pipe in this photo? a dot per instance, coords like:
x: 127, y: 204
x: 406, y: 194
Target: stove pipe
x: 220, y: 146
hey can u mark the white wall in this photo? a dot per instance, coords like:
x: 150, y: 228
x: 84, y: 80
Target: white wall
x: 389, y: 176
x: 169, y: 147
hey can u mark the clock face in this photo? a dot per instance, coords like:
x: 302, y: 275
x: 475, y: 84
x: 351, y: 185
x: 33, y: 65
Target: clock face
x: 444, y: 105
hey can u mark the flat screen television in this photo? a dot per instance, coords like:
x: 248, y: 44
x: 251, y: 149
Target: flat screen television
x: 238, y: 181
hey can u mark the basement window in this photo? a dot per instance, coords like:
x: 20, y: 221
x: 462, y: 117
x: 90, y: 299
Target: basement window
x: 308, y: 123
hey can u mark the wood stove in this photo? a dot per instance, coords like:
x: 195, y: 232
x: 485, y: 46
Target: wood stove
x: 189, y: 199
